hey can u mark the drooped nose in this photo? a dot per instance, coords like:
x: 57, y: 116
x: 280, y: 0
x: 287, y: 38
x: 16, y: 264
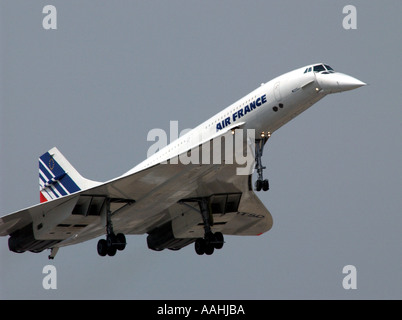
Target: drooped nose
x: 337, y: 82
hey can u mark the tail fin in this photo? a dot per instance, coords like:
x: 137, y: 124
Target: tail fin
x: 58, y: 178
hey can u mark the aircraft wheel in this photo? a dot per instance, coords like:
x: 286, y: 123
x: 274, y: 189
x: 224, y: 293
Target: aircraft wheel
x: 258, y: 185
x: 102, y: 247
x: 209, y: 249
x: 111, y: 240
x: 265, y: 185
x: 218, y: 240
x: 199, y: 246
x: 111, y: 251
x: 121, y: 241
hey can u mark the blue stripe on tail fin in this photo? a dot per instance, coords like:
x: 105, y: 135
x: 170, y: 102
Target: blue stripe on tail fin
x: 58, y: 178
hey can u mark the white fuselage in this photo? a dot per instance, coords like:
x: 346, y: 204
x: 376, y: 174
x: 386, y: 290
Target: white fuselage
x: 265, y: 109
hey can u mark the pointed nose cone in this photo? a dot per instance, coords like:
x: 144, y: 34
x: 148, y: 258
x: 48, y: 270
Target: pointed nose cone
x: 337, y: 82
x: 346, y: 82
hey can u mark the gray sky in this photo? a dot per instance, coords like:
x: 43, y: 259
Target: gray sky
x: 112, y: 72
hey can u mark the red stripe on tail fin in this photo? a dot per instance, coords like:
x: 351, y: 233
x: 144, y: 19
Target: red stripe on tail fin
x: 42, y: 197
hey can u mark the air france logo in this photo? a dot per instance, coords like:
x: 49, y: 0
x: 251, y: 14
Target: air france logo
x: 241, y: 112
x: 51, y: 164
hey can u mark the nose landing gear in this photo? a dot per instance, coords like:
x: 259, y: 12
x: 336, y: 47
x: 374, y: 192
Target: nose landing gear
x: 259, y: 147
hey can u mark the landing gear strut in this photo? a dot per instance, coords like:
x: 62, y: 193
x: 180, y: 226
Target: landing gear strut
x: 113, y: 242
x: 259, y: 147
x: 211, y: 240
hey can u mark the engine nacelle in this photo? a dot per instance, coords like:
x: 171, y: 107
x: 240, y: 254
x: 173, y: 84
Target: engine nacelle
x: 163, y: 237
x: 23, y: 240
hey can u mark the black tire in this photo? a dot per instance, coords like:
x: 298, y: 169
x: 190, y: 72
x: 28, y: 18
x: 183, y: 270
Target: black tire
x: 209, y: 249
x: 102, y: 247
x: 258, y: 185
x: 265, y: 185
x: 199, y: 246
x: 121, y: 241
x: 218, y: 240
x: 111, y: 251
x: 110, y: 240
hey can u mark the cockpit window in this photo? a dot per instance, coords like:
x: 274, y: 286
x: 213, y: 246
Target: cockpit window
x: 323, y: 68
x: 319, y: 68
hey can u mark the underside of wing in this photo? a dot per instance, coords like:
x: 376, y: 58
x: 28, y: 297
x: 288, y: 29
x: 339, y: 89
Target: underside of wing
x: 167, y: 203
x: 162, y: 200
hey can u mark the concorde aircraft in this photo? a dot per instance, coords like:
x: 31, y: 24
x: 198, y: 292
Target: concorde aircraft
x: 190, y: 191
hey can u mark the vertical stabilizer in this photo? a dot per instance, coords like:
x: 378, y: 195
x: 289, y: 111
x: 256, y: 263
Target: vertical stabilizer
x: 58, y: 178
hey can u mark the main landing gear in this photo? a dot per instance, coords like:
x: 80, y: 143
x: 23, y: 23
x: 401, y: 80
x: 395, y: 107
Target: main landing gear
x: 209, y: 243
x: 211, y: 240
x: 113, y: 242
x: 259, y: 146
